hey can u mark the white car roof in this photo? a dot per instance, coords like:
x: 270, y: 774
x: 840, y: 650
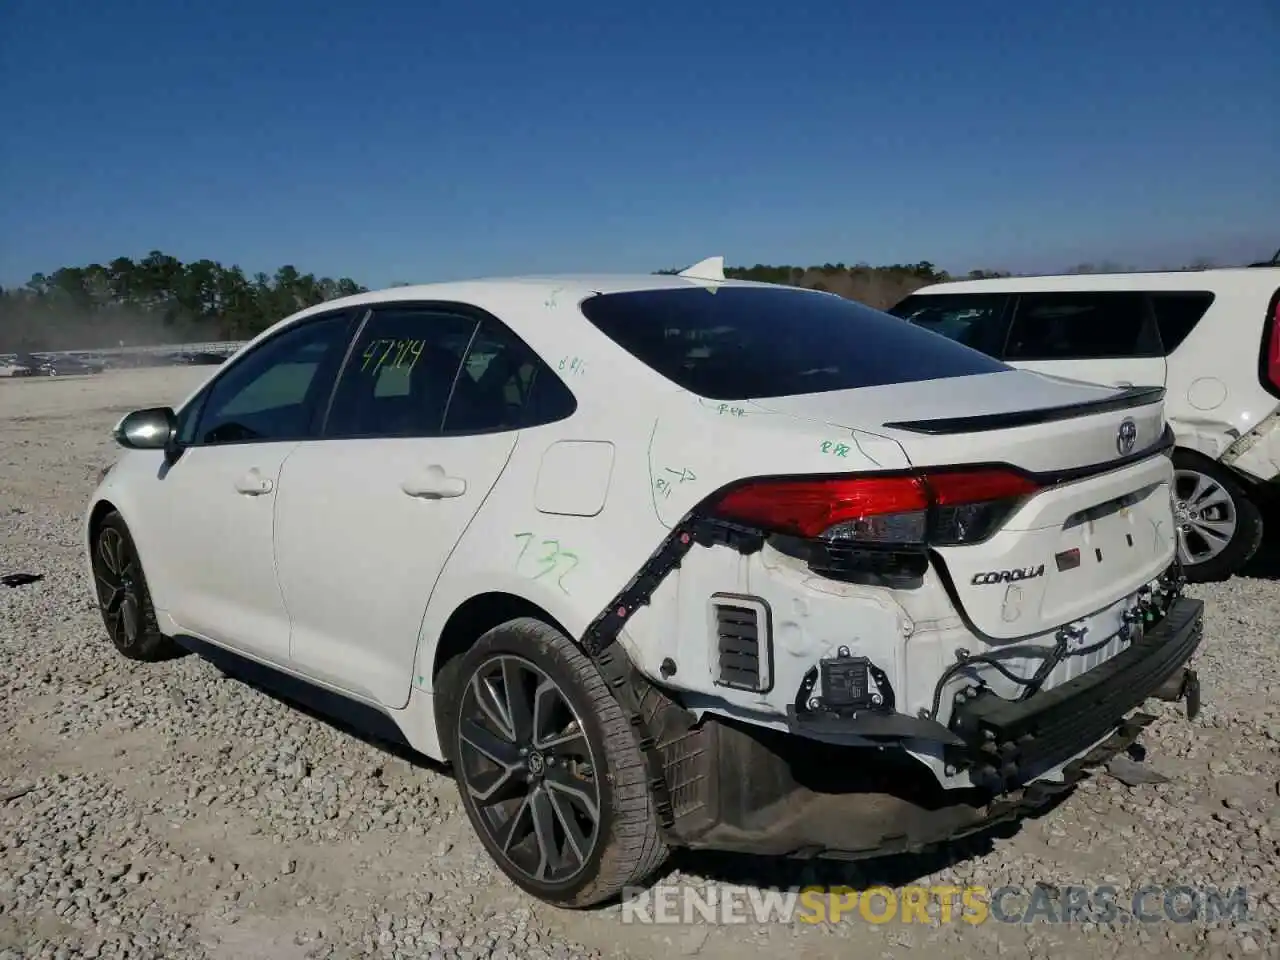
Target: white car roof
x: 521, y: 302
x: 495, y: 293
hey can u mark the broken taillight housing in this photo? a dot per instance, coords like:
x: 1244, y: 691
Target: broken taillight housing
x: 1271, y: 346
x: 932, y: 508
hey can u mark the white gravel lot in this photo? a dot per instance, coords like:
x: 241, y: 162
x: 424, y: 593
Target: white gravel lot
x: 168, y: 811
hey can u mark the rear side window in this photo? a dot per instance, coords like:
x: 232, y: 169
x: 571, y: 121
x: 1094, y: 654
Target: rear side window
x: 1177, y: 313
x: 738, y: 343
x: 977, y: 320
x: 504, y: 385
x: 1081, y: 326
x: 400, y: 373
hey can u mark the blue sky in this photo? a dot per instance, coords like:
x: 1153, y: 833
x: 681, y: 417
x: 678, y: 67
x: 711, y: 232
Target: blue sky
x: 430, y: 140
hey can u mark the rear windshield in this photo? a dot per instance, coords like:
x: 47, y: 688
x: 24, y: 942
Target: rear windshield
x: 738, y: 343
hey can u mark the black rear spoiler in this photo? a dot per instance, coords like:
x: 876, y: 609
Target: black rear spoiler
x: 1125, y: 399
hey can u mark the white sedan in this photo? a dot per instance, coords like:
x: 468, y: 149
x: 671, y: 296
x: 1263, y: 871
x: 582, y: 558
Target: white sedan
x: 663, y: 561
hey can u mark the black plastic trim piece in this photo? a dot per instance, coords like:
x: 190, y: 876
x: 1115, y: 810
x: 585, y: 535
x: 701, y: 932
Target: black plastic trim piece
x: 1012, y: 740
x: 648, y: 710
x: 867, y: 725
x: 764, y: 640
x: 1125, y: 399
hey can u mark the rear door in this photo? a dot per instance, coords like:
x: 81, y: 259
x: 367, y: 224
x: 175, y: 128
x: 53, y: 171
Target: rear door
x: 424, y: 419
x: 1109, y: 337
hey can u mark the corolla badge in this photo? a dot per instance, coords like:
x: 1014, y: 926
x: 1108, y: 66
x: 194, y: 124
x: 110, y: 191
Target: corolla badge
x: 1126, y: 436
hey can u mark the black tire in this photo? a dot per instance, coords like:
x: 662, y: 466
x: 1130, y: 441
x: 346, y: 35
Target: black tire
x: 123, y: 597
x: 625, y: 846
x: 1229, y: 502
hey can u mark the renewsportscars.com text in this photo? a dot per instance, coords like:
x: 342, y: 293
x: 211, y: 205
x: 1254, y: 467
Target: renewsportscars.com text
x: 1071, y: 903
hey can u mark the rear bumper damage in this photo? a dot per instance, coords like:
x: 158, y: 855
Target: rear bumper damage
x: 735, y: 786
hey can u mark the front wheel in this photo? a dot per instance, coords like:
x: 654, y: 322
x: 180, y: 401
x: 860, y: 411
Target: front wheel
x: 123, y: 597
x: 1219, y: 527
x: 549, y: 771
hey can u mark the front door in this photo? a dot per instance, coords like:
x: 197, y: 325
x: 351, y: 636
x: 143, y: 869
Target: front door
x: 418, y: 433
x: 219, y: 496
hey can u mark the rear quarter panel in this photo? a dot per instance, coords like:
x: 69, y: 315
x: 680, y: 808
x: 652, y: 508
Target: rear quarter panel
x: 669, y: 453
x: 1214, y: 390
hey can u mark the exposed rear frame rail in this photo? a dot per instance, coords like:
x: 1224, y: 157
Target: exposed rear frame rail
x: 648, y: 710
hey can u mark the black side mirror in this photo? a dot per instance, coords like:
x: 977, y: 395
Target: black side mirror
x: 155, y: 428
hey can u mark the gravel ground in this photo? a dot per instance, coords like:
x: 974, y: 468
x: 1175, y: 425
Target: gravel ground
x: 171, y: 811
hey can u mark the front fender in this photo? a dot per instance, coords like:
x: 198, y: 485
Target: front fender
x: 125, y: 487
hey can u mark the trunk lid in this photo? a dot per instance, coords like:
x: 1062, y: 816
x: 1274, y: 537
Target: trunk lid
x: 1029, y: 420
x: 1101, y: 527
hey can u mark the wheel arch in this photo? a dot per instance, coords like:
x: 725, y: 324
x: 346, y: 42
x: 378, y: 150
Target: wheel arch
x: 96, y: 515
x: 477, y: 615
x: 1249, y: 484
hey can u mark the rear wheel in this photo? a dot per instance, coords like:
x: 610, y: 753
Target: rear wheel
x: 123, y: 597
x: 549, y: 770
x: 1219, y: 526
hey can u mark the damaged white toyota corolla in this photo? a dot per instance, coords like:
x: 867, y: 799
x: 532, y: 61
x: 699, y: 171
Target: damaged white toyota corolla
x: 664, y: 561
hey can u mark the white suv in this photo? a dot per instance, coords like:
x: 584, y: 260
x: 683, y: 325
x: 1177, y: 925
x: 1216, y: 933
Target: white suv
x: 1211, y: 338
x: 665, y: 561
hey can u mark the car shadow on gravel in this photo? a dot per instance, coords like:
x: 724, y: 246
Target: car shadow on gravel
x: 363, y: 722
x: 377, y: 730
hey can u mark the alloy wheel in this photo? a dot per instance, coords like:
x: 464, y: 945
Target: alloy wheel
x: 529, y: 770
x: 1204, y: 514
x: 115, y: 574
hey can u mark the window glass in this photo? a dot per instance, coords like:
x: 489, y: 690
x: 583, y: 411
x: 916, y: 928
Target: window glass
x: 504, y: 385
x: 1077, y: 326
x: 400, y: 373
x: 977, y: 320
x: 737, y: 343
x: 272, y: 392
x: 1177, y: 312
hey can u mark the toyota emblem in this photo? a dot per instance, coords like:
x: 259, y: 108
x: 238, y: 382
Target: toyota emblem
x: 1126, y: 436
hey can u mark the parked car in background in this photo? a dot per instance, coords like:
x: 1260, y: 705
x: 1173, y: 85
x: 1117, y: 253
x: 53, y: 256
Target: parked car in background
x: 649, y: 573
x: 1210, y: 337
x: 201, y: 358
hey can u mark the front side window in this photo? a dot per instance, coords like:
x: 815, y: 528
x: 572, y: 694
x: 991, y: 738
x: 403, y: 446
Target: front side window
x: 273, y: 392
x: 400, y: 373
x: 1083, y: 326
x: 977, y: 320
x: 740, y: 343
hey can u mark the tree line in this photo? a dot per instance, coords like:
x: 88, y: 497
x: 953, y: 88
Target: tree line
x: 160, y: 299
x: 157, y: 299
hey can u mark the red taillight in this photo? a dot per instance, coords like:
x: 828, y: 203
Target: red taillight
x: 808, y: 508
x: 1272, y: 340
x: 945, y: 507
x: 978, y: 486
